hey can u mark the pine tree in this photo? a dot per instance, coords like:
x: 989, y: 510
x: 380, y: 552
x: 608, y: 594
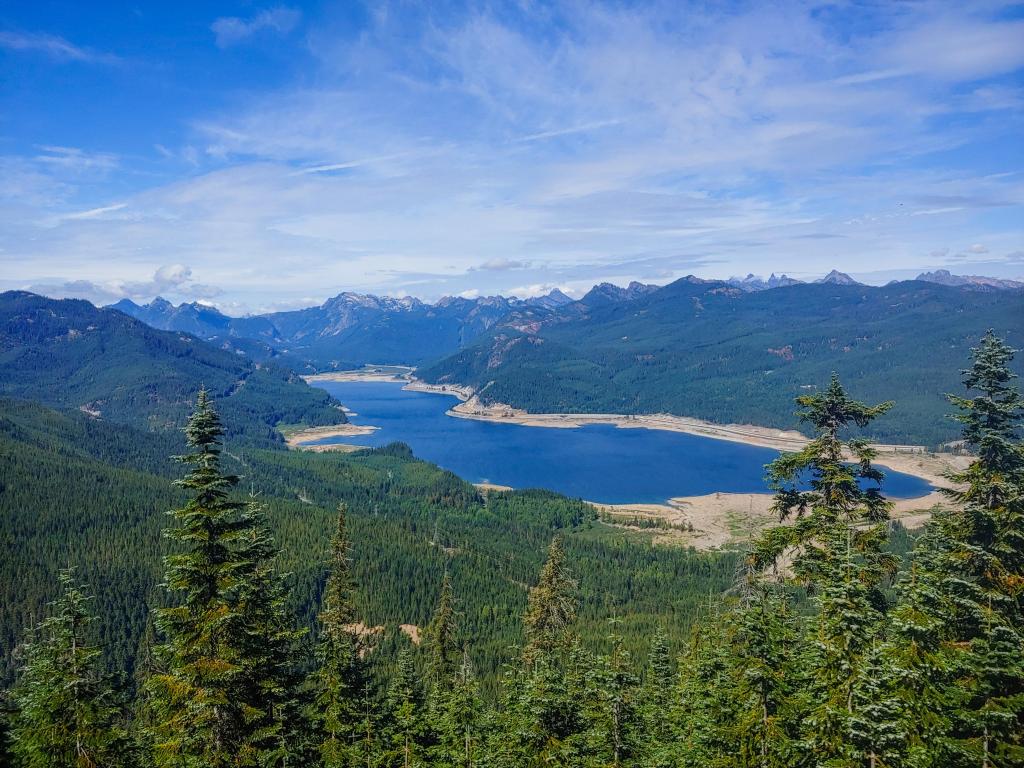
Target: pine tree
x: 762, y: 633
x: 66, y: 714
x: 982, y: 567
x: 218, y: 697
x: 915, y: 662
x: 705, y: 709
x: 838, y: 534
x: 541, y: 722
x: 551, y: 608
x: 458, y: 720
x: 657, y: 696
x: 269, y: 656
x: 613, y: 711
x: 406, y: 716
x: 340, y: 677
x: 442, y: 639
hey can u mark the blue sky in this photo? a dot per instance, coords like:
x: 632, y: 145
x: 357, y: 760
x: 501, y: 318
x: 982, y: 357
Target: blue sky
x: 259, y: 156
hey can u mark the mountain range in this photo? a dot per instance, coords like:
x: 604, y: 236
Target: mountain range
x: 736, y: 350
x: 69, y: 354
x: 711, y: 350
x: 347, y: 330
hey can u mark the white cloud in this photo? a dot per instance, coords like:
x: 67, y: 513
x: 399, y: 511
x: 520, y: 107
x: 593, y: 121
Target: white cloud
x: 95, y: 213
x: 440, y: 154
x: 53, y: 46
x: 173, y: 280
x: 77, y: 160
x: 232, y: 29
x: 501, y: 265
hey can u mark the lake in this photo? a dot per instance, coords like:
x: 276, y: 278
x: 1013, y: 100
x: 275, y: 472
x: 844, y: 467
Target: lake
x: 597, y: 462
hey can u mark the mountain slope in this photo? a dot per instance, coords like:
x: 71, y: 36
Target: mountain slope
x: 90, y: 494
x: 713, y: 351
x: 69, y: 354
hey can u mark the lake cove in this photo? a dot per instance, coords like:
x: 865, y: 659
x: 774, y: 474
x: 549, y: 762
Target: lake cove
x: 597, y: 462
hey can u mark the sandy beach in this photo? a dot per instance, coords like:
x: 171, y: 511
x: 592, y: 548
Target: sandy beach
x: 362, y: 375
x: 296, y: 439
x: 725, y: 519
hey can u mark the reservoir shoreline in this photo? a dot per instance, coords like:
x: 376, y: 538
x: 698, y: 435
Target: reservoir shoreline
x: 911, y: 460
x: 708, y: 520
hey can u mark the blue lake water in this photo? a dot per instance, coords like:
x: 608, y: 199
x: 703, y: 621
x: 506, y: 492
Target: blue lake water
x: 596, y: 462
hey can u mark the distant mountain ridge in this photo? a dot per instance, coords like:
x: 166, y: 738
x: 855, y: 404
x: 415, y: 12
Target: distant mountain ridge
x: 978, y: 282
x: 352, y: 329
x: 753, y: 282
x: 347, y: 330
x: 66, y: 353
x: 712, y: 350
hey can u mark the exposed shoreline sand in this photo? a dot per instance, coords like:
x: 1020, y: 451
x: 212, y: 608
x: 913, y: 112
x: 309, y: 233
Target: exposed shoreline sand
x: 361, y: 375
x: 299, y: 438
x: 722, y: 519
x: 910, y: 460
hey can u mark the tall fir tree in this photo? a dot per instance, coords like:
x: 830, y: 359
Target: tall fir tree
x: 407, y: 717
x: 915, y: 660
x: 837, y: 532
x: 541, y: 721
x: 982, y: 567
x: 762, y: 633
x: 340, y: 676
x: 458, y: 720
x: 551, y: 607
x: 66, y: 714
x: 217, y: 697
x: 613, y: 710
x: 657, y: 698
x: 442, y: 640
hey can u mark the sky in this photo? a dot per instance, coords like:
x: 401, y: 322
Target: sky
x: 261, y: 156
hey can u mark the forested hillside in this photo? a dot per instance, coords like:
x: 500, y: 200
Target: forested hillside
x: 710, y: 350
x: 826, y: 650
x: 70, y: 354
x: 79, y: 492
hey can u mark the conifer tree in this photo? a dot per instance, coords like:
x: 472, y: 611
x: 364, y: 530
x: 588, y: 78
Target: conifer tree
x: 406, y: 716
x: 982, y: 567
x: 270, y: 656
x: 340, y: 676
x: 705, y: 709
x: 613, y: 712
x: 218, y: 695
x: 837, y: 530
x: 551, y: 608
x: 915, y: 664
x: 442, y: 639
x: 656, y: 698
x: 66, y: 714
x: 541, y: 720
x: 762, y: 633
x: 458, y: 717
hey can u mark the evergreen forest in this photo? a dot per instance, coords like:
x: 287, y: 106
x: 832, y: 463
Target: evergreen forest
x: 257, y: 623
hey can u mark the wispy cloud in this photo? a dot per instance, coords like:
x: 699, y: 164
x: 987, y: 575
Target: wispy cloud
x: 75, y: 159
x: 171, y: 280
x: 54, y: 47
x: 230, y: 30
x: 94, y: 213
x: 557, y: 146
